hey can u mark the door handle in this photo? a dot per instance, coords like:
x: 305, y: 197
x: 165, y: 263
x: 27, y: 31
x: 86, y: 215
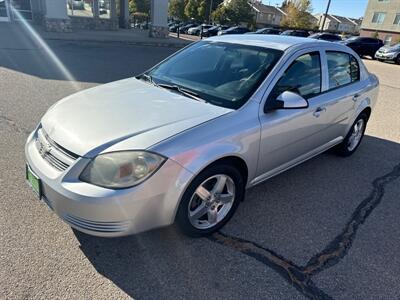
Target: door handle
x: 355, y: 97
x: 318, y: 111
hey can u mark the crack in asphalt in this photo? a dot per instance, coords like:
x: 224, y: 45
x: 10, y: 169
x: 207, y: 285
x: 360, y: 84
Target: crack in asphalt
x: 301, y: 277
x: 14, y: 125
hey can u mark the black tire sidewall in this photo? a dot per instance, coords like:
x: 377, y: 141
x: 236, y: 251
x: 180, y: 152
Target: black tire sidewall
x: 182, y: 219
x: 343, y: 147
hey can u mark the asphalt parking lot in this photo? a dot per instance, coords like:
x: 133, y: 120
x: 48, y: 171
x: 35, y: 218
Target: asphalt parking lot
x: 325, y: 229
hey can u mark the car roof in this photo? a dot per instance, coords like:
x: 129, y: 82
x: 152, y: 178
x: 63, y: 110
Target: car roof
x: 268, y: 41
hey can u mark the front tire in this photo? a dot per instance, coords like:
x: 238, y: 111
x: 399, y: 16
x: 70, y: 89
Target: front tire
x: 354, y: 137
x: 210, y: 200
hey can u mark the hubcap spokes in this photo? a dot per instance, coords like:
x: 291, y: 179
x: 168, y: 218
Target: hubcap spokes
x: 211, y: 201
x: 356, y: 135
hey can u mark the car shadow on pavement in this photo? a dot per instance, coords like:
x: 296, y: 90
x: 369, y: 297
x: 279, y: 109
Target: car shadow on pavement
x: 297, y: 224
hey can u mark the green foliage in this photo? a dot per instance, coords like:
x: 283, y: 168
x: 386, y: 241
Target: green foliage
x: 235, y: 12
x: 298, y: 14
x: 191, y: 9
x: 142, y: 6
x: 203, y: 10
x: 239, y: 11
x: 220, y: 15
x: 176, y: 9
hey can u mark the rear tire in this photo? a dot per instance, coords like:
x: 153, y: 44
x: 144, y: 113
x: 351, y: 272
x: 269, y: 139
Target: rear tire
x: 397, y: 60
x: 353, y: 139
x: 210, y: 200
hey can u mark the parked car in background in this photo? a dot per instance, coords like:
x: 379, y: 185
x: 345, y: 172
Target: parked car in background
x: 197, y: 30
x: 184, y: 29
x: 330, y: 37
x: 300, y: 33
x: 234, y: 30
x: 364, y: 45
x: 266, y: 31
x: 390, y: 53
x: 214, y: 30
x: 174, y: 27
x: 76, y: 4
x: 182, y: 142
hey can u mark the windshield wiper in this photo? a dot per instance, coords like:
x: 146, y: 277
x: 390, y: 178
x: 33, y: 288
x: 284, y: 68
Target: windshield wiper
x: 183, y: 91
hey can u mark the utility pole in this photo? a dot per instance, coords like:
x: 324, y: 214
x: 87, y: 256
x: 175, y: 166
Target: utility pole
x: 209, y: 16
x: 326, y: 12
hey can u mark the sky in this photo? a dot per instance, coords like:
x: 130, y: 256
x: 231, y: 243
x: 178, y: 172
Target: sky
x: 345, y: 8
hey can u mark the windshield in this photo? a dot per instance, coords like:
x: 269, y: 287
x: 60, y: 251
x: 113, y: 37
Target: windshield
x: 222, y: 74
x: 315, y: 36
x: 353, y: 38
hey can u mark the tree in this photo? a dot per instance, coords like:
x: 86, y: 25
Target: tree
x: 220, y: 15
x: 239, y: 11
x: 142, y: 6
x: 191, y: 9
x: 176, y: 9
x: 203, y: 11
x: 298, y: 14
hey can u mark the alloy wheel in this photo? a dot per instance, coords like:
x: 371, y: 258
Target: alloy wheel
x: 211, y: 201
x: 356, y: 135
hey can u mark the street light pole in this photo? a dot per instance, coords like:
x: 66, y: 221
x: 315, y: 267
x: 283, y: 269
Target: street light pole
x: 209, y: 16
x: 326, y: 12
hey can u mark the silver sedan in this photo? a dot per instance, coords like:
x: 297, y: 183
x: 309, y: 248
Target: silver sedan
x: 181, y: 142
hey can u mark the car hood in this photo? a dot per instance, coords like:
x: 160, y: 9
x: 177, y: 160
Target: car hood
x: 129, y: 112
x: 394, y: 48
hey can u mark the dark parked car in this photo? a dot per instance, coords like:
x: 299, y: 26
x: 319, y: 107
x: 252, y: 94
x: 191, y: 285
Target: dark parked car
x: 174, y: 27
x: 234, y: 30
x: 364, y: 45
x: 267, y: 31
x: 301, y: 33
x: 330, y: 37
x: 214, y: 30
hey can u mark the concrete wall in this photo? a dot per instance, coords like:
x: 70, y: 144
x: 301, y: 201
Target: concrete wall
x: 390, y: 7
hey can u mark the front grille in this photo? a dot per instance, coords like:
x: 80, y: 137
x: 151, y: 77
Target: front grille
x: 55, y: 162
x: 57, y: 156
x: 98, y: 226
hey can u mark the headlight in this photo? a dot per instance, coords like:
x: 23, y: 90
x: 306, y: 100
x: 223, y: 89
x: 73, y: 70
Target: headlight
x: 123, y: 169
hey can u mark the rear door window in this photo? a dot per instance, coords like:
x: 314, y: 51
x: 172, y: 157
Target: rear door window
x: 343, y: 69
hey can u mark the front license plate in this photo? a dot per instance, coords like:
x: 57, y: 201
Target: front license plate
x: 34, y: 182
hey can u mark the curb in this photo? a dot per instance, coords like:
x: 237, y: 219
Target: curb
x: 136, y: 43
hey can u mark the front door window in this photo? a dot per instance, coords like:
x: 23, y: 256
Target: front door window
x: 3, y: 11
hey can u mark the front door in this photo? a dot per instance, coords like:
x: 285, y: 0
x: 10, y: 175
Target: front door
x: 288, y: 136
x: 4, y: 15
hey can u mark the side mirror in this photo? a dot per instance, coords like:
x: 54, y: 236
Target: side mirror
x: 286, y: 100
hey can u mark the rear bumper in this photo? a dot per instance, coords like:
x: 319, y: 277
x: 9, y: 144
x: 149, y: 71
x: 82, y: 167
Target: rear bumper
x: 106, y: 212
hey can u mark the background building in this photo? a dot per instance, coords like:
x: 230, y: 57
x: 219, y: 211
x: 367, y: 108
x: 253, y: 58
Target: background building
x: 338, y: 24
x: 266, y: 15
x: 69, y: 15
x: 382, y: 17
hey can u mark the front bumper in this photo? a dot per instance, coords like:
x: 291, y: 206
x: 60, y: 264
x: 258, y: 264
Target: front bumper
x: 106, y: 212
x: 385, y: 56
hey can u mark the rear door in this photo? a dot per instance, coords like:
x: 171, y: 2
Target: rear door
x: 343, y: 89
